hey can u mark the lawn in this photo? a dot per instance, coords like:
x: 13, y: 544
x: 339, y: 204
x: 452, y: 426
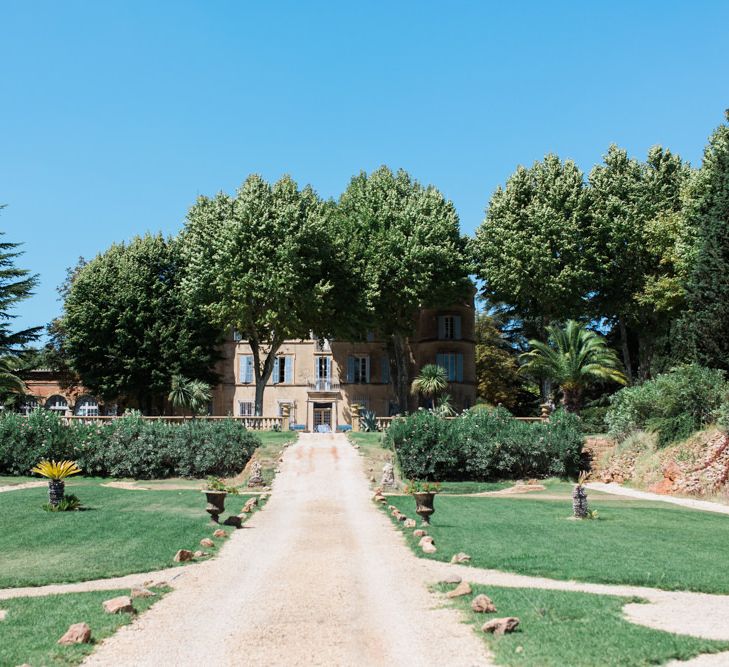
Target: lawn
x: 272, y: 442
x: 565, y: 628
x: 633, y: 542
x: 33, y: 626
x: 120, y: 532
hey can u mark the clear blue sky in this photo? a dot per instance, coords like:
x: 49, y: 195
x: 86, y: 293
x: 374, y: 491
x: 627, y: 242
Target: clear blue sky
x: 114, y: 116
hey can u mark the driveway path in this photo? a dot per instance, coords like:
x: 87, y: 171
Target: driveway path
x: 618, y: 490
x: 318, y: 577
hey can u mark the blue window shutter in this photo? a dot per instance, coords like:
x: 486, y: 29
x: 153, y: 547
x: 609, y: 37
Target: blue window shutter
x: 441, y: 327
x: 350, y: 368
x: 457, y: 327
x: 329, y: 368
x: 440, y: 360
x: 386, y: 370
x: 459, y: 367
x: 367, y: 371
x: 274, y: 375
x: 289, y: 369
x: 246, y: 369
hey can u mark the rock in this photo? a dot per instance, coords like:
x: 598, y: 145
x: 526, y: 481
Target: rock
x: 249, y: 505
x: 233, y: 520
x: 451, y: 579
x: 141, y: 592
x: 425, y: 539
x: 220, y: 533
x: 483, y: 604
x: 78, y: 633
x: 460, y: 557
x: 182, y: 556
x: 207, y: 543
x: 429, y: 548
x: 419, y: 533
x: 380, y: 499
x: 462, y: 589
x: 391, y: 508
x: 388, y: 475
x: 256, y: 478
x: 500, y: 626
x: 120, y: 605
x: 410, y: 523
x: 401, y: 517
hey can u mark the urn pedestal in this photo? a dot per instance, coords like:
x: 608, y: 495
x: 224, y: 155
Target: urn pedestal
x: 424, y: 506
x: 216, y: 503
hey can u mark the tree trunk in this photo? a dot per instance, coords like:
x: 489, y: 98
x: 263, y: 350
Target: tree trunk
x: 579, y: 502
x: 626, y: 350
x: 572, y: 399
x: 645, y: 358
x: 262, y: 373
x: 400, y: 377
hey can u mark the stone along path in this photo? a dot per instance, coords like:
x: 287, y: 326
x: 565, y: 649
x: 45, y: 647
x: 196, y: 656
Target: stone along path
x: 318, y: 577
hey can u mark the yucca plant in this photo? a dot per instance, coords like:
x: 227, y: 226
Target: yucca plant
x: 430, y: 382
x: 56, y: 472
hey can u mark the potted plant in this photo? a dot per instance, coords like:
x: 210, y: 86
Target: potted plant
x: 424, y: 494
x: 56, y: 472
x: 215, y: 492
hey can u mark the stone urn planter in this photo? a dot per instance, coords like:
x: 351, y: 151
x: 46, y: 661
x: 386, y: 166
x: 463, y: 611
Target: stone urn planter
x: 424, y: 505
x: 216, y: 503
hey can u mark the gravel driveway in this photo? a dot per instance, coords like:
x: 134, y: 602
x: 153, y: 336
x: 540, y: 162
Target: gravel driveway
x: 318, y: 577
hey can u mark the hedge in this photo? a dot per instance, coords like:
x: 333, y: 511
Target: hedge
x: 485, y: 445
x: 126, y: 447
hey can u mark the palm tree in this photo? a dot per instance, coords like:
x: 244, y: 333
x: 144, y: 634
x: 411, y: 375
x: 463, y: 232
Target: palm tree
x: 186, y: 394
x: 11, y: 386
x: 430, y: 382
x: 573, y: 358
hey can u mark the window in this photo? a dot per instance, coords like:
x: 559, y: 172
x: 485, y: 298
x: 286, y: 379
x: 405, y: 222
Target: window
x: 245, y: 408
x: 237, y: 336
x: 358, y: 369
x: 246, y: 369
x: 453, y: 364
x: 449, y: 327
x: 283, y: 370
x: 87, y: 406
x: 28, y: 406
x: 57, y: 404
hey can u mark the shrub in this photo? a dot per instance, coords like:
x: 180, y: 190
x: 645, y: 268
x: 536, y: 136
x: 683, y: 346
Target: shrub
x: 674, y: 405
x: 126, y: 447
x: 592, y: 419
x: 485, y: 445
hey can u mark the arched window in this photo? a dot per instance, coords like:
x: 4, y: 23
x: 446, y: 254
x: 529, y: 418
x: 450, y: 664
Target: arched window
x: 87, y: 406
x: 57, y: 403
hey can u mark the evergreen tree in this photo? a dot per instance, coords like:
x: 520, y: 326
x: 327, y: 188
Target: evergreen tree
x: 704, y: 327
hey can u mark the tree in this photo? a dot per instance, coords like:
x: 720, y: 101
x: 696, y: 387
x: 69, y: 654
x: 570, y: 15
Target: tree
x: 704, y: 325
x: 126, y: 330
x: 531, y: 250
x: 16, y: 285
x: 573, y: 358
x: 430, y: 382
x: 186, y: 394
x: 406, y: 253
x: 264, y: 263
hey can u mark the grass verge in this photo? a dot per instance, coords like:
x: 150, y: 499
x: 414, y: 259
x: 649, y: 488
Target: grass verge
x: 272, y: 442
x: 633, y: 542
x: 33, y: 626
x: 565, y: 628
x: 375, y: 456
x: 120, y: 532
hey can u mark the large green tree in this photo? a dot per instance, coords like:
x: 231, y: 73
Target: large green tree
x: 126, y: 330
x: 406, y: 252
x: 264, y: 262
x: 705, y: 323
x: 532, y: 249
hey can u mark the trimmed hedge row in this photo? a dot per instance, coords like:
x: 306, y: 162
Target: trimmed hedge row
x: 126, y: 447
x: 485, y: 445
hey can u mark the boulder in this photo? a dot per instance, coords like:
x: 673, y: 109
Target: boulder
x: 391, y: 508
x: 78, y: 633
x: 483, y: 604
x: 207, y: 543
x: 379, y: 499
x: 409, y: 523
x: 182, y: 556
x: 419, y: 533
x: 201, y: 554
x: 233, y: 520
x: 220, y: 533
x: 460, y: 557
x: 425, y: 539
x: 401, y: 517
x: 500, y: 626
x: 119, y: 605
x: 249, y: 505
x: 462, y: 589
x: 429, y: 548
x: 141, y: 592
x: 451, y: 579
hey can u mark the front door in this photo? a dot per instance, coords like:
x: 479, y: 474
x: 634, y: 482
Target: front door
x: 322, y: 417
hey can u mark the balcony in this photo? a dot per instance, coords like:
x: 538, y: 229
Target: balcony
x: 323, y: 386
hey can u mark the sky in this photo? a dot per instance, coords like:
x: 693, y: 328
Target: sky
x: 116, y: 115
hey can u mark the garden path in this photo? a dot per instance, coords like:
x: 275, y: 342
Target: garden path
x: 619, y: 490
x: 24, y: 485
x: 317, y: 577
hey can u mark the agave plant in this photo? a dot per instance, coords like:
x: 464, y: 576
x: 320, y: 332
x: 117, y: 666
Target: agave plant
x: 368, y: 421
x: 56, y: 472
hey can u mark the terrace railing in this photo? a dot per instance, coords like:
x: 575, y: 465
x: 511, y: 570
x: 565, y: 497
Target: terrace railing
x: 252, y: 423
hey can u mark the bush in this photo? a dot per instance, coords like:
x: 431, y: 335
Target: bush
x: 592, y: 420
x: 126, y: 447
x: 485, y: 445
x: 674, y: 405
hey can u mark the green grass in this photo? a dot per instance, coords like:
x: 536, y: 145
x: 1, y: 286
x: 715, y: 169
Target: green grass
x: 366, y: 439
x: 473, y: 487
x: 33, y: 626
x: 565, y: 628
x: 272, y: 442
x: 10, y: 480
x: 121, y: 532
x: 633, y: 542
